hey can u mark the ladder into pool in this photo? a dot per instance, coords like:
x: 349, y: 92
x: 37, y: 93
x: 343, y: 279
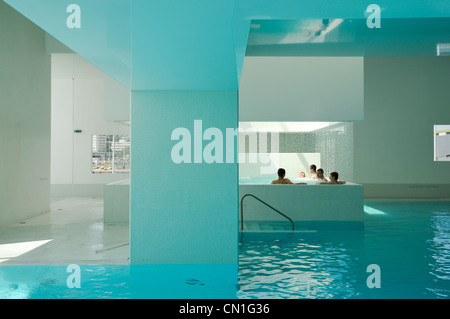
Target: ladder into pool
x: 268, y: 205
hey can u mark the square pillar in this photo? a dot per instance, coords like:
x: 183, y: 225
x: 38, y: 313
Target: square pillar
x: 183, y: 212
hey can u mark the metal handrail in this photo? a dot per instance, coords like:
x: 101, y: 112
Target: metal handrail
x: 242, y: 210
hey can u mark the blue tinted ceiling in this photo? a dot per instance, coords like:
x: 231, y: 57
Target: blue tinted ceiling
x: 347, y: 37
x: 201, y: 44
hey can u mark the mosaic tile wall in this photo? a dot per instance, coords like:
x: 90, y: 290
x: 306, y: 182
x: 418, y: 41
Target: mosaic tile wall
x: 334, y: 143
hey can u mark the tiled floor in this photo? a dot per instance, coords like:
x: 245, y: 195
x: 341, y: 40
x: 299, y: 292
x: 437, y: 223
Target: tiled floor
x: 72, y: 232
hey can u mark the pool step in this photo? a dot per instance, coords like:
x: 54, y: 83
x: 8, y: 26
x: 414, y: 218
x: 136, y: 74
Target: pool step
x: 269, y: 226
x: 255, y: 226
x: 265, y: 231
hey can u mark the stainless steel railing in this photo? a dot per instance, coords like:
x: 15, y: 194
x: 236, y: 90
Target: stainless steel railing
x: 268, y: 205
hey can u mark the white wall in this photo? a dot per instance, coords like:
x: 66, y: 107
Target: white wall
x: 443, y: 147
x: 24, y: 119
x: 79, y: 99
x: 302, y: 89
x: 403, y: 98
x: 268, y: 166
x: 394, y: 145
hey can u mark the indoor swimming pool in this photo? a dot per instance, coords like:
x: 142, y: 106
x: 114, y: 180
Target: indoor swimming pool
x: 409, y: 241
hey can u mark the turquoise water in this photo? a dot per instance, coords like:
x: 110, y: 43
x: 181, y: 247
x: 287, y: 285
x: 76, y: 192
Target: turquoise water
x: 256, y: 180
x: 119, y: 282
x: 409, y: 241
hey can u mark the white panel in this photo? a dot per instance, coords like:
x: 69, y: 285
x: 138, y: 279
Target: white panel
x: 405, y: 97
x: 78, y: 103
x: 302, y: 89
x: 84, y: 69
x: 304, y: 202
x: 62, y: 131
x: 117, y: 101
x: 62, y: 66
x: 443, y: 145
x: 293, y: 163
x: 24, y: 119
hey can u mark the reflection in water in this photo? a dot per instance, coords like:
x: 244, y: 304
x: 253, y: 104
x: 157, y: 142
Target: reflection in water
x: 299, y: 267
x: 410, y: 242
x: 439, y: 250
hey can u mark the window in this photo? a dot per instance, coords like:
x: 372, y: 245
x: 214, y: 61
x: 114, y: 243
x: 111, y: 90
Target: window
x: 442, y: 142
x: 110, y: 154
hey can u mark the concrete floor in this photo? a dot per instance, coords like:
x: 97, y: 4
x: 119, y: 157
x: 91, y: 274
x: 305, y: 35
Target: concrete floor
x: 73, y: 232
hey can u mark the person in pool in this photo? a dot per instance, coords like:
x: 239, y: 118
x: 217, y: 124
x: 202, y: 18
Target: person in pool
x: 302, y: 174
x: 333, y: 179
x: 320, y: 177
x: 282, y: 180
x: 312, y: 169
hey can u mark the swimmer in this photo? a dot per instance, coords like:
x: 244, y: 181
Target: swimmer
x: 333, y: 179
x: 302, y: 174
x: 281, y: 179
x: 320, y: 176
x: 312, y: 169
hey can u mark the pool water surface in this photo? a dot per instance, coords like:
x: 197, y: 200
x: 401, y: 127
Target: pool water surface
x: 409, y: 242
